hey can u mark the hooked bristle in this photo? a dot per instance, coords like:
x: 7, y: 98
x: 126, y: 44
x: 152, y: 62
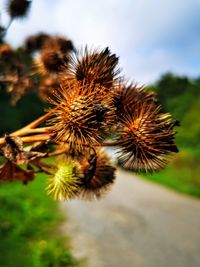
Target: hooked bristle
x: 79, y: 116
x: 64, y: 184
x: 98, y: 67
x: 146, y: 138
x: 126, y: 98
x: 51, y: 62
x: 99, y: 175
x: 35, y: 42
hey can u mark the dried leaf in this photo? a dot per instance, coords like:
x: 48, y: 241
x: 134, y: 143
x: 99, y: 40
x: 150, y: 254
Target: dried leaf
x: 15, y: 152
x: 13, y: 146
x: 25, y: 157
x: 10, y: 172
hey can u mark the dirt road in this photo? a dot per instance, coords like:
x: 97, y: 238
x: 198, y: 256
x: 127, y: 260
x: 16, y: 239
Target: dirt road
x: 138, y: 224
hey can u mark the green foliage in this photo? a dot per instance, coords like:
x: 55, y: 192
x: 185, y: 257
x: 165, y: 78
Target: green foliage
x: 182, y: 174
x: 27, y: 109
x: 190, y: 131
x: 181, y: 97
x: 28, y: 221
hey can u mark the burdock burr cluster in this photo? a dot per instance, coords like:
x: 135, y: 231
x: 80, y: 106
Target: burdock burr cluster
x: 92, y: 107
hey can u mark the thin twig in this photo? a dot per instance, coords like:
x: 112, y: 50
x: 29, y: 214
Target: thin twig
x: 35, y: 138
x: 38, y: 130
x: 34, y: 124
x: 30, y: 139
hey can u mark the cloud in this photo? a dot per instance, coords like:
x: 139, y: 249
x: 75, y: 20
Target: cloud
x: 151, y: 37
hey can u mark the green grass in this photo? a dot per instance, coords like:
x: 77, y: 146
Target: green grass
x: 29, y: 222
x: 182, y: 174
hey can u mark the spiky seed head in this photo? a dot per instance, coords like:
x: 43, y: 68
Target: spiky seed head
x: 50, y: 62
x: 36, y: 42
x: 146, y: 138
x: 18, y: 8
x: 98, y: 67
x: 64, y: 45
x: 65, y: 182
x: 126, y: 98
x: 6, y: 52
x: 99, y: 175
x: 58, y: 43
x: 79, y: 117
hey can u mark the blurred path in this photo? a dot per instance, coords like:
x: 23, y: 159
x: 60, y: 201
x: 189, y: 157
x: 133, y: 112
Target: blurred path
x: 137, y: 224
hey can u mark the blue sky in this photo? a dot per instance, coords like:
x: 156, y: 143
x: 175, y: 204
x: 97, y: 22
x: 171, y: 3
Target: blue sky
x: 151, y: 37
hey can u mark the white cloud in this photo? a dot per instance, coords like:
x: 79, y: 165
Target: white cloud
x: 150, y: 36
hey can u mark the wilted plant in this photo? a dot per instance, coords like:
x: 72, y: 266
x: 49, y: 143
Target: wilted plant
x: 91, y: 107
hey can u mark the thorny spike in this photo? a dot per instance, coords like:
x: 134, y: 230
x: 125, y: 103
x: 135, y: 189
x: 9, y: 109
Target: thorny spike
x: 91, y: 103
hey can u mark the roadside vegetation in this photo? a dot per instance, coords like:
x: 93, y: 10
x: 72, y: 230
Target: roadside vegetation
x: 29, y: 227
x: 181, y: 97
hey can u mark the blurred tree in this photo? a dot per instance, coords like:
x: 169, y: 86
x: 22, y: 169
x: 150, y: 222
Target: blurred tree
x: 181, y: 96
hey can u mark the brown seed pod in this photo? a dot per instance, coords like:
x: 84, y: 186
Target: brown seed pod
x: 58, y: 43
x: 35, y: 42
x: 62, y: 44
x: 98, y: 174
x: 126, y: 98
x: 51, y: 62
x: 18, y: 8
x: 65, y: 45
x: 98, y: 67
x: 6, y: 52
x: 147, y: 138
x: 80, y: 116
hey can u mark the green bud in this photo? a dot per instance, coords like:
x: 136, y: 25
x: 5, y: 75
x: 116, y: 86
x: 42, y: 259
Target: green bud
x: 64, y: 185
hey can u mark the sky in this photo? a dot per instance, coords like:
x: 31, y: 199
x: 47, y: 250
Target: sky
x: 151, y: 37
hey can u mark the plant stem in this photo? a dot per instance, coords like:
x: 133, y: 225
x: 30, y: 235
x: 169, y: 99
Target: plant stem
x: 30, y: 139
x: 31, y: 128
x: 32, y: 125
x: 35, y: 138
x: 2, y: 35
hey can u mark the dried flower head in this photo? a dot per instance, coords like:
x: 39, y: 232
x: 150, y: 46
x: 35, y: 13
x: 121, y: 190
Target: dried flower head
x: 126, y: 98
x: 146, y: 138
x: 18, y: 8
x: 79, y: 116
x: 36, y: 42
x: 6, y: 52
x: 14, y: 151
x: 58, y: 43
x: 51, y: 62
x: 99, y: 175
x: 98, y: 67
x: 64, y: 45
x: 65, y: 182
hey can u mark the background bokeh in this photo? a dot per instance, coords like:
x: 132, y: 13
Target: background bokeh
x: 151, y: 37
